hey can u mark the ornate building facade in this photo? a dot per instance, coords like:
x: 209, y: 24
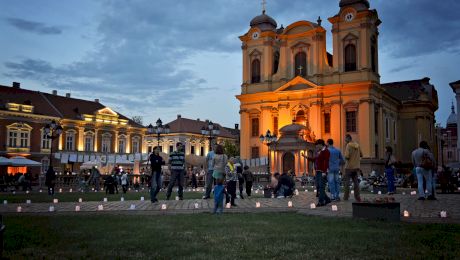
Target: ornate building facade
x: 289, y: 77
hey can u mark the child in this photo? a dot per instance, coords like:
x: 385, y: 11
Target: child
x: 219, y: 192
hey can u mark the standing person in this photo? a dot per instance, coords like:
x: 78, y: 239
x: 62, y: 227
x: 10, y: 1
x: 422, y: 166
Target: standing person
x: 423, y: 161
x: 50, y: 180
x: 321, y: 167
x: 390, y: 169
x: 95, y: 177
x: 177, y: 169
x: 248, y: 178
x: 353, y: 156
x: 210, y: 169
x: 156, y: 161
x: 335, y: 162
x: 232, y: 178
x: 220, y: 161
x: 124, y: 181
x: 219, y: 192
x: 239, y: 172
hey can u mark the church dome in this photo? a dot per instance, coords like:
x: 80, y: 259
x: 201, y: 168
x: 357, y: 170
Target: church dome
x: 452, y: 120
x: 264, y: 22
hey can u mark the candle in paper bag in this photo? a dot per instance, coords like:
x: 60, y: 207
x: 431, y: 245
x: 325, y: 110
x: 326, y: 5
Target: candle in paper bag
x: 19, y: 209
x: 100, y: 207
x: 60, y: 190
x: 257, y: 204
x: 404, y: 193
x: 137, y: 190
x: 273, y: 196
x: 51, y: 209
x: 55, y: 201
x: 296, y: 192
x: 70, y: 190
x: 105, y: 199
x: 5, y: 202
x: 228, y: 206
x: 102, y: 189
x: 142, y: 198
x: 315, y: 191
x: 27, y: 192
x: 458, y: 188
x: 352, y: 192
x: 196, y: 205
x: 163, y: 207
x: 28, y: 201
x: 306, y: 190
x: 290, y: 204
x: 14, y: 192
x: 132, y: 207
x: 92, y: 189
x: 177, y: 197
x: 77, y: 208
x: 379, y: 193
x: 334, y: 208
x: 313, y: 206
x: 257, y: 191
x: 80, y: 200
x: 406, y: 213
x: 122, y: 199
x: 413, y: 193
x: 40, y: 191
x: 193, y: 189
x: 443, y: 214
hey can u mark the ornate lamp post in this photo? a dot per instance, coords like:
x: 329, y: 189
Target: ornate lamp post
x: 52, y: 131
x: 159, y: 129
x: 268, y: 139
x: 210, y: 133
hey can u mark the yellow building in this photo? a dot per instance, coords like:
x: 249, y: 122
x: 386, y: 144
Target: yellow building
x: 289, y: 77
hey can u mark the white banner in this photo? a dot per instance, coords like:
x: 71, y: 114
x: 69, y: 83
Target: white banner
x: 64, y: 158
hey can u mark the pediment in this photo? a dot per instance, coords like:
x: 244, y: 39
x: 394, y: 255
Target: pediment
x: 296, y: 84
x: 106, y: 111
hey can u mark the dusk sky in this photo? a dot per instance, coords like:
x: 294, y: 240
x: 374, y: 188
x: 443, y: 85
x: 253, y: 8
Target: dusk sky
x: 160, y: 58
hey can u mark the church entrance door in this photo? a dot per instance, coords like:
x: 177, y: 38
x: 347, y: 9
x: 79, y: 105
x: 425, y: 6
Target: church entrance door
x: 288, y: 162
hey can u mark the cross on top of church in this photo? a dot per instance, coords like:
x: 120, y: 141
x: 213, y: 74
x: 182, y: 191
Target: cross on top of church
x: 264, y: 5
x: 300, y: 68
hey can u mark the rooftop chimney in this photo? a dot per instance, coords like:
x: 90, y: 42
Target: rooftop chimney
x: 179, y: 116
x: 55, y: 92
x: 67, y: 95
x: 16, y: 85
x: 96, y: 100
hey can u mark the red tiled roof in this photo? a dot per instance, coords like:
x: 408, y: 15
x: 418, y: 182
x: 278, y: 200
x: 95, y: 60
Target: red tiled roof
x: 185, y: 125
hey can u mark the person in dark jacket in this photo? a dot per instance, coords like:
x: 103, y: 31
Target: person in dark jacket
x: 321, y: 167
x: 50, y: 180
x: 248, y: 178
x: 285, y: 185
x: 177, y: 169
x: 156, y: 161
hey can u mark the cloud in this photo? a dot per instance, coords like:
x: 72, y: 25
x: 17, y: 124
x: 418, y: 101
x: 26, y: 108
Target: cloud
x: 34, y: 27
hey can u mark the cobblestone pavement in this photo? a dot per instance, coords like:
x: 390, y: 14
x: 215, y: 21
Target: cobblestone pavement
x: 420, y: 211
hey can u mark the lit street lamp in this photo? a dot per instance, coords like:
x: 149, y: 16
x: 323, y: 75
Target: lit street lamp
x: 268, y: 139
x: 52, y: 132
x: 210, y: 133
x: 159, y: 129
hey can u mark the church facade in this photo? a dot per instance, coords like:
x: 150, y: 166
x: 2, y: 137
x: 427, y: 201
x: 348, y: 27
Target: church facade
x: 289, y: 77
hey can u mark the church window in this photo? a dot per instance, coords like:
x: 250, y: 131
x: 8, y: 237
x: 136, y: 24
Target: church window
x: 254, y: 152
x: 255, y: 71
x: 276, y: 62
x: 327, y: 123
x: 275, y: 125
x: 300, y: 68
x: 350, y: 121
x: 350, y: 57
x: 255, y: 127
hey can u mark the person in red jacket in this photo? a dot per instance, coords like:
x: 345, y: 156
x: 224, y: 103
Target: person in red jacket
x: 321, y: 167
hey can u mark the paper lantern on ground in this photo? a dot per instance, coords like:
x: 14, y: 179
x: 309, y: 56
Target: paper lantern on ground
x: 406, y: 214
x: 257, y: 191
x: 132, y: 207
x: 122, y: 199
x: 334, y: 207
x: 142, y: 198
x: 77, y: 208
x: 40, y: 191
x: 413, y: 193
x: 60, y: 190
x: 196, y: 205
x: 306, y: 190
x: 352, y: 192
x: 297, y: 192
x: 315, y: 191
x: 100, y: 207
x: 5, y: 202
x: 55, y: 201
x: 379, y: 192
x: 193, y: 190
x: 28, y: 201
x: 51, y: 209
x: 27, y: 192
x: 404, y: 193
x: 70, y: 190
x: 312, y: 206
x: 105, y: 199
x: 273, y: 196
x: 163, y: 206
x: 19, y: 209
x: 177, y: 197
x: 257, y: 204
x: 443, y: 214
x: 14, y: 192
x: 228, y: 205
x: 80, y: 200
x: 289, y: 204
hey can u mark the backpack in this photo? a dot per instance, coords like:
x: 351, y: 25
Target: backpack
x: 426, y: 163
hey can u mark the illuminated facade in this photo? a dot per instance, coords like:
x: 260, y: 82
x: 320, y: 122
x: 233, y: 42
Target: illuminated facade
x: 289, y: 77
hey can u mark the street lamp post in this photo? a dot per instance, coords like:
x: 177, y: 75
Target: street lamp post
x: 211, y: 132
x: 159, y: 129
x: 268, y: 139
x: 52, y: 131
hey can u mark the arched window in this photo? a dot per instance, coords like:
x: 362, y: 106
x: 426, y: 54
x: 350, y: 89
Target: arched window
x: 350, y: 57
x: 300, y: 68
x: 255, y: 71
x: 106, y: 142
x: 300, y: 118
x: 276, y: 62
x: 89, y: 141
x: 122, y: 144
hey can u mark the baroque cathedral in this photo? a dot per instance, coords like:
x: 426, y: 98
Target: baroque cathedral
x: 292, y: 83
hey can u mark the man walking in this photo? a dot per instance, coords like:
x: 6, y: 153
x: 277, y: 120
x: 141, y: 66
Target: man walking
x: 95, y: 177
x: 321, y: 167
x: 353, y: 156
x: 177, y: 169
x: 156, y: 161
x: 335, y: 162
x: 423, y: 161
x: 210, y: 170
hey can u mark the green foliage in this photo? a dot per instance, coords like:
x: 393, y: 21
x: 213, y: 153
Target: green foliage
x: 231, y: 150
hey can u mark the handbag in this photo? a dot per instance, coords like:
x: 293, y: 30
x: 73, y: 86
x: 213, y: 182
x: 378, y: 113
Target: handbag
x: 427, y: 163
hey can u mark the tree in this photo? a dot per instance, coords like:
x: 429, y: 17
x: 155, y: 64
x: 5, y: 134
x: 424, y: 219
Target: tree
x: 231, y: 150
x: 138, y: 120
